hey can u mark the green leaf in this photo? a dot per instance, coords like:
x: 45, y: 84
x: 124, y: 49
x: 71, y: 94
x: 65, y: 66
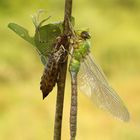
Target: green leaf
x: 22, y: 32
x: 45, y: 37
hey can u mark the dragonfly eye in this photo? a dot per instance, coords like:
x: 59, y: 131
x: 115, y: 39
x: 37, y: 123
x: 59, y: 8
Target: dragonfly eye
x: 85, y: 35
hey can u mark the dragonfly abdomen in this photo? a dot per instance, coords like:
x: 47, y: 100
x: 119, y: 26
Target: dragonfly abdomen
x: 73, y: 110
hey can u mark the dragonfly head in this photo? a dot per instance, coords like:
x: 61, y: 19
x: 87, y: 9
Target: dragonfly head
x: 85, y: 35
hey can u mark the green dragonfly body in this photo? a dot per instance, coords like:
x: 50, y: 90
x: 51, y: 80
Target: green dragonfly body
x: 90, y: 78
x: 79, y: 52
x: 93, y: 82
x: 80, y: 48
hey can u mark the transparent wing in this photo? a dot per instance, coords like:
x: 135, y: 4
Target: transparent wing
x: 92, y: 82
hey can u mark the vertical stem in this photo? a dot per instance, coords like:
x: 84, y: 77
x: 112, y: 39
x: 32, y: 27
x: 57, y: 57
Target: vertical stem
x: 73, y: 109
x: 62, y: 76
x: 60, y: 101
x: 67, y: 16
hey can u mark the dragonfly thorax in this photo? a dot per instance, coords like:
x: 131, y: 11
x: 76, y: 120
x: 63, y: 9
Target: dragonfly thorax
x: 80, y: 50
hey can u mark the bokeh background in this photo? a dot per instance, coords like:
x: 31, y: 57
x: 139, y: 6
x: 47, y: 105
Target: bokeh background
x: 115, y: 30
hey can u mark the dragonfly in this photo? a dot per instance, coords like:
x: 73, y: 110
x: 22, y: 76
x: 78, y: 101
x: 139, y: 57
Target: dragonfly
x: 91, y: 80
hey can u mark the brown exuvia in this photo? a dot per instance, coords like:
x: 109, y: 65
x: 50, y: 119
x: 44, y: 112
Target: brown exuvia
x: 51, y: 72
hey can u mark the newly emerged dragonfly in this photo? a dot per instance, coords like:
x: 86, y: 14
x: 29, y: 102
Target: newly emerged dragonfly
x: 92, y: 81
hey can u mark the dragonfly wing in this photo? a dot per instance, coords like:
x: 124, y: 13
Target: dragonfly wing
x: 92, y: 81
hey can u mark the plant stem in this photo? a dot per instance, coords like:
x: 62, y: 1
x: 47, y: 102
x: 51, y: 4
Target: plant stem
x: 67, y: 16
x: 62, y: 76
x: 60, y: 101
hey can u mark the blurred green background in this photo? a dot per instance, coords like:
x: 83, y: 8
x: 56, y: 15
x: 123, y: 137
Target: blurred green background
x: 115, y: 30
